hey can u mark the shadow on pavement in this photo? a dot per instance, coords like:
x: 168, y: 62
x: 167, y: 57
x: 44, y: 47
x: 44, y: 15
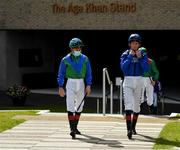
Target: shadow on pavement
x: 100, y: 141
x: 147, y: 138
x: 160, y: 141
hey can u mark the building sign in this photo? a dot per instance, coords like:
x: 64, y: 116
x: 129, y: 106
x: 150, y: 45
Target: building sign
x: 90, y: 14
x: 74, y: 8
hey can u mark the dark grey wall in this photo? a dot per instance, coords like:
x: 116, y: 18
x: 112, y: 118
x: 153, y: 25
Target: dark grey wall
x: 3, y: 59
x: 11, y: 42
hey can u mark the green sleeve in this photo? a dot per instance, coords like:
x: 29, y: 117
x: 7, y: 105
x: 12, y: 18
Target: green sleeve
x: 155, y: 71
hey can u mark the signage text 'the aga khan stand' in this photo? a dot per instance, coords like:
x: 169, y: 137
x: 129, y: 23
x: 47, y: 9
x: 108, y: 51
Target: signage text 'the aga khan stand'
x: 76, y: 9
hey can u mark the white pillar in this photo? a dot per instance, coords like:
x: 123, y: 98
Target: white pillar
x: 104, y: 91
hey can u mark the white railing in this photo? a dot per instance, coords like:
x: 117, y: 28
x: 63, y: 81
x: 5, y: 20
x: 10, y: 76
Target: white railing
x: 119, y: 83
x: 106, y: 75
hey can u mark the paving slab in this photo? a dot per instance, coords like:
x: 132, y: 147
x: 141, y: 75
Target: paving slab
x: 96, y: 135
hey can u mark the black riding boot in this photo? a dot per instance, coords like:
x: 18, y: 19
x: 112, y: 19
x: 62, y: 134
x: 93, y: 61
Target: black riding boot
x: 77, y: 116
x: 134, y: 121
x: 128, y: 123
x: 71, y: 119
x: 151, y: 109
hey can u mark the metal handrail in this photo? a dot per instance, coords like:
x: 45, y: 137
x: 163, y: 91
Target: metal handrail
x: 119, y: 83
x: 106, y: 74
x: 163, y: 97
x: 172, y: 98
x: 121, y: 97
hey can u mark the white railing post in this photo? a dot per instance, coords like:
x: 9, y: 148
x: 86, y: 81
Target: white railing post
x: 104, y: 91
x: 162, y: 109
x: 97, y: 106
x: 106, y: 74
x: 119, y: 83
x: 121, y: 96
x: 111, y: 98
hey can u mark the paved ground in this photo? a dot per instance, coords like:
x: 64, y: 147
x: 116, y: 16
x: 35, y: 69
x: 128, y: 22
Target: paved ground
x: 50, y: 134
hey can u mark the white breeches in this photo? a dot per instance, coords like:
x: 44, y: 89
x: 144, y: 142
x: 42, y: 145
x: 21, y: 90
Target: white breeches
x: 132, y: 89
x: 149, y: 90
x: 74, y: 94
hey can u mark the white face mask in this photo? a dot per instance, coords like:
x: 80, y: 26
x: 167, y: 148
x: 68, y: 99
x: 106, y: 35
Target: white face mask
x: 76, y: 53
